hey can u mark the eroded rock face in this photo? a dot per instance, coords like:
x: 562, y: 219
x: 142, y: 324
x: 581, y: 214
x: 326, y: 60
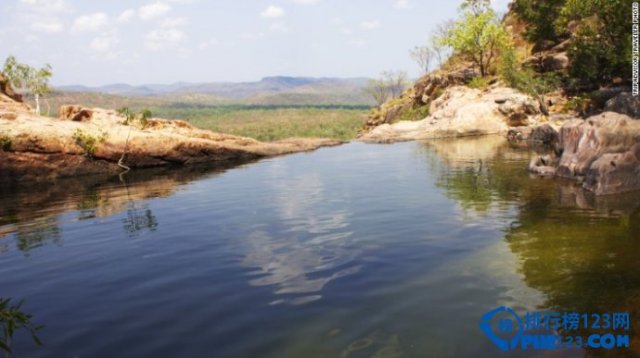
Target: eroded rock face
x: 602, y: 151
x: 462, y: 111
x: 7, y: 90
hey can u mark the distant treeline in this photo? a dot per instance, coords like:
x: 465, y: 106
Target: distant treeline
x: 239, y: 107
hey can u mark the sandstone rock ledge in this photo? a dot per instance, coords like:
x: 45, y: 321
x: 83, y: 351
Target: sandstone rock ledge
x: 602, y: 152
x: 36, y: 147
x: 462, y: 111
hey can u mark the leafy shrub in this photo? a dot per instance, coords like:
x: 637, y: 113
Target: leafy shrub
x: 88, y: 142
x: 415, y: 114
x: 480, y: 83
x: 525, y: 79
x: 5, y: 143
x: 579, y: 104
x: 142, y: 118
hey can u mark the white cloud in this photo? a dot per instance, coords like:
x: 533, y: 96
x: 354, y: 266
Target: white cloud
x: 174, y: 22
x: 47, y: 26
x: 402, y: 4
x: 306, y: 2
x: 209, y: 43
x: 104, y: 43
x: 358, y: 42
x: 126, y: 16
x: 252, y: 36
x: 272, y: 12
x: 47, y: 6
x: 279, y: 27
x: 42, y: 16
x: 370, y: 25
x: 152, y: 11
x: 90, y: 23
x: 346, y: 31
x: 164, y: 39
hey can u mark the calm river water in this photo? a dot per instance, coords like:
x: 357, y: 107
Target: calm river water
x: 352, y: 251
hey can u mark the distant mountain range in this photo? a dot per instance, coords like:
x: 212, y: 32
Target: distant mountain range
x: 278, y: 90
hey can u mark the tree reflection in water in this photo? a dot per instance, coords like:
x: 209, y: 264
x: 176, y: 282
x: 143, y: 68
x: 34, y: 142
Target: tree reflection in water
x: 578, y: 249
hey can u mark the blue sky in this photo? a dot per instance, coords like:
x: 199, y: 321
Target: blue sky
x: 166, y: 41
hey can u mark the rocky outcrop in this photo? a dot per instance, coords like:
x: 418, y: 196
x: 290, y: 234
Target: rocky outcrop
x: 602, y: 152
x: 75, y: 113
x: 421, y: 94
x: 41, y: 147
x: 624, y: 103
x: 462, y: 111
x: 7, y: 90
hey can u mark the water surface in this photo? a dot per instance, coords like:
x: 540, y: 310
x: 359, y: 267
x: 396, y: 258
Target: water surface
x: 353, y: 251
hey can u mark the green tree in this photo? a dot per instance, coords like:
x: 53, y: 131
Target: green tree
x: 28, y: 79
x: 477, y: 37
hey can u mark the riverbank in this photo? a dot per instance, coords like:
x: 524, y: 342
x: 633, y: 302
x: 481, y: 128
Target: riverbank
x: 89, y: 141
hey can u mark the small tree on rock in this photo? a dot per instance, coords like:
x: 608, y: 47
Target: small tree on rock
x: 25, y: 78
x: 423, y: 56
x: 377, y: 89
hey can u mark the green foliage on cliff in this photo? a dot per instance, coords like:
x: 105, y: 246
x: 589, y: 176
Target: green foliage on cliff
x: 477, y: 36
x: 598, y: 30
x: 540, y: 17
x: 524, y: 78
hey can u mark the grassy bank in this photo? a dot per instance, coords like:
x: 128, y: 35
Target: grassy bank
x: 269, y: 124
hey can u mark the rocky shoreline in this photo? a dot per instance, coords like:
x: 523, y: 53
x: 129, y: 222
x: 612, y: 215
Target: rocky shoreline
x: 601, y: 152
x: 91, y: 141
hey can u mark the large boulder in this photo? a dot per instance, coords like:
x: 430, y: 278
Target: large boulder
x: 555, y: 62
x: 75, y: 113
x: 461, y: 111
x: 624, y: 103
x: 602, y: 151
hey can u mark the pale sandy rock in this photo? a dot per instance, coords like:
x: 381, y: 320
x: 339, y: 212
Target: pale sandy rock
x: 48, y: 147
x: 460, y: 112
